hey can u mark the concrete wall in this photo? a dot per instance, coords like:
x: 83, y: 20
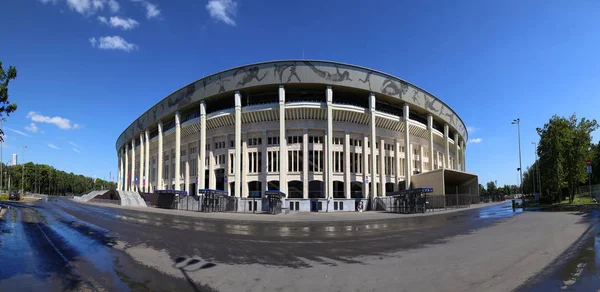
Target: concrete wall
x: 433, y: 179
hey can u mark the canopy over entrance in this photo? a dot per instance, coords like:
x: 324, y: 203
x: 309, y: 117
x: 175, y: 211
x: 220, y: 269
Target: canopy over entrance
x: 275, y: 198
x: 447, y: 182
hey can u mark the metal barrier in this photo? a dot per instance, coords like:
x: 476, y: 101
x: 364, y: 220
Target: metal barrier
x: 105, y: 201
x: 206, y: 203
x: 444, y: 202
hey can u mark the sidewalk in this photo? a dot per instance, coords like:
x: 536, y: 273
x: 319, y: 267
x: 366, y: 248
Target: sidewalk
x: 293, y: 216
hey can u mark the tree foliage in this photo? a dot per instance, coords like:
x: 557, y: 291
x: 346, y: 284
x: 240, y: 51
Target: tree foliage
x: 45, y: 179
x: 491, y: 187
x: 482, y: 190
x: 565, y: 146
x: 6, y: 107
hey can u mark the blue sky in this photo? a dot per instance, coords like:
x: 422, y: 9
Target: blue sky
x: 88, y: 68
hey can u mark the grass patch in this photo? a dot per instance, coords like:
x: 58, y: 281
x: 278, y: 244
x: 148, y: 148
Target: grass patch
x: 579, y: 200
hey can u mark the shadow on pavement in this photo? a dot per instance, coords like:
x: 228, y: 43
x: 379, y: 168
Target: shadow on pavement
x: 186, y: 265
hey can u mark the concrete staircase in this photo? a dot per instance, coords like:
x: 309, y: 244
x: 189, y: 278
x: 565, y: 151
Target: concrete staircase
x: 89, y: 196
x: 131, y: 199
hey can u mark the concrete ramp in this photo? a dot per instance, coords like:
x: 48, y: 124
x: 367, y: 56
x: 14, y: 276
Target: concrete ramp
x: 131, y: 199
x: 89, y: 196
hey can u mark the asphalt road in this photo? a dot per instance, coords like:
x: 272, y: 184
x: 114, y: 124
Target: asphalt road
x: 64, y: 245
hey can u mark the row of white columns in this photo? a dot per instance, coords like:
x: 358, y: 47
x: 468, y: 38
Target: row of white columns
x: 143, y: 171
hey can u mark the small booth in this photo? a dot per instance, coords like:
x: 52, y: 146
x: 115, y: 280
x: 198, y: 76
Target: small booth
x: 410, y: 201
x: 168, y: 199
x: 216, y: 201
x: 275, y: 199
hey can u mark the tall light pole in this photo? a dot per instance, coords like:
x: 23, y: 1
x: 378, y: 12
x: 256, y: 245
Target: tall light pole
x: 1, y: 157
x: 23, y: 171
x: 518, y: 122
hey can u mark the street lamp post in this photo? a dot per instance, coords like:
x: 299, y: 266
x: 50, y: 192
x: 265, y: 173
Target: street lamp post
x: 518, y: 122
x: 23, y: 171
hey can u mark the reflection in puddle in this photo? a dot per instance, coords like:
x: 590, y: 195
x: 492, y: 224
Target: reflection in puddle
x: 499, y: 211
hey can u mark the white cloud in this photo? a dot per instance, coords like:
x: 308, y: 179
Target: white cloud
x: 222, y: 10
x: 471, y: 129
x: 75, y: 145
x: 31, y: 128
x: 115, y: 21
x: 86, y: 6
x: 113, y: 43
x: 114, y: 6
x: 76, y: 150
x: 475, y: 140
x: 17, y: 131
x: 152, y: 10
x: 53, y: 146
x: 60, y: 122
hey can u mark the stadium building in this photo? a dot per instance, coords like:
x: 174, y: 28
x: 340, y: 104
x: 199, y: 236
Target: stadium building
x: 320, y: 132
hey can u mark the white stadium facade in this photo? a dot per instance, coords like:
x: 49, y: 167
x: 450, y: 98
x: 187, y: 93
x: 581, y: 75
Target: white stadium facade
x: 347, y: 133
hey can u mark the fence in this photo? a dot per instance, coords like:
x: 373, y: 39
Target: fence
x: 206, y: 204
x: 443, y: 202
x: 106, y: 201
x: 591, y: 191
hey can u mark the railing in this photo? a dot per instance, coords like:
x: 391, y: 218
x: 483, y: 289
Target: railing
x: 105, y: 201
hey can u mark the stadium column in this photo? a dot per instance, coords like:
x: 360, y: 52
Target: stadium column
x: 329, y: 138
x: 372, y: 148
x: 245, y: 164
x: 430, y: 128
x: 447, y: 147
x: 282, y: 143
x: 212, y: 180
x: 347, y: 165
x: 202, y: 148
x: 464, y: 156
x: 407, y: 148
x: 263, y: 163
x: 120, y: 162
x: 142, y: 161
x: 133, y: 164
x: 456, y: 153
x: 177, y: 151
x: 126, y: 173
x: 123, y: 168
x: 382, y: 176
x: 305, y: 164
x: 397, y: 164
x: 365, y: 167
x: 186, y: 182
x: 147, y: 161
x: 421, y: 150
x: 159, y: 166
x: 237, y: 188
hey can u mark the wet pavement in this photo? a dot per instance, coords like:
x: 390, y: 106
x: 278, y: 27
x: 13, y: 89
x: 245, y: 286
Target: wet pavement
x: 65, y: 245
x: 578, y: 268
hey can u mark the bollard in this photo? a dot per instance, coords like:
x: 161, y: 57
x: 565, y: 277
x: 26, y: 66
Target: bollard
x: 513, y: 205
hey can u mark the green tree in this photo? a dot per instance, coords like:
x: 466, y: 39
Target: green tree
x: 6, y: 107
x: 565, y: 146
x: 579, y: 151
x: 482, y: 191
x: 552, y: 150
x: 491, y: 188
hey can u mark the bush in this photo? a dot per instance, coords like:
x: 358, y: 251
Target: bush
x: 3, y: 197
